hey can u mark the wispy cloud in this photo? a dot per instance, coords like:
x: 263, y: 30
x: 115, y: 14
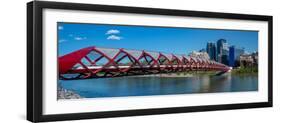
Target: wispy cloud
x: 114, y: 37
x: 112, y: 31
x: 60, y: 27
x: 62, y: 40
x: 80, y: 38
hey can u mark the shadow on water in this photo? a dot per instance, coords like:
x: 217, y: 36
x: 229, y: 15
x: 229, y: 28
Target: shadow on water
x: 155, y: 85
x: 220, y: 73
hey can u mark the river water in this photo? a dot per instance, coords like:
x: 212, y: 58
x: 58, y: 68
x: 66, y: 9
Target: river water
x: 144, y: 86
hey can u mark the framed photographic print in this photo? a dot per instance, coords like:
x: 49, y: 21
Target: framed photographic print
x: 96, y: 61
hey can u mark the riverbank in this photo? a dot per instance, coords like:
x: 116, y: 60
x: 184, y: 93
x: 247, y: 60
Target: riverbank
x: 67, y: 94
x: 245, y: 70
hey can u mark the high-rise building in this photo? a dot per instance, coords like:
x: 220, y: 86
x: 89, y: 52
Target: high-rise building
x: 238, y: 52
x: 225, y: 54
x: 221, y: 45
x: 231, y: 58
x: 211, y: 50
x: 234, y: 55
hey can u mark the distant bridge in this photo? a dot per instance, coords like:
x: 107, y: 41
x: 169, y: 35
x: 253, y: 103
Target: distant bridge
x: 97, y: 62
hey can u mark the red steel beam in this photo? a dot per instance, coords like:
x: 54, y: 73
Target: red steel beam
x: 68, y: 61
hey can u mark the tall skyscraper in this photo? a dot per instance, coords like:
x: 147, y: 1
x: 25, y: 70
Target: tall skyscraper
x: 211, y: 50
x: 231, y: 58
x: 238, y: 52
x: 221, y: 44
x: 234, y: 55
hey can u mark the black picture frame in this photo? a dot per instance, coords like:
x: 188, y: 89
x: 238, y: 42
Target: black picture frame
x: 35, y: 69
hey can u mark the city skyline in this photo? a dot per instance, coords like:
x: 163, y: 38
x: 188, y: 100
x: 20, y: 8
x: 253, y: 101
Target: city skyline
x: 73, y: 36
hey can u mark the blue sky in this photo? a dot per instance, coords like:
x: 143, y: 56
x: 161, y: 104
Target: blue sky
x: 74, y: 36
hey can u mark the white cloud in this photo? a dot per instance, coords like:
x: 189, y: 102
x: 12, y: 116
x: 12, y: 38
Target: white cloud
x: 62, y: 40
x: 114, y: 37
x: 112, y: 31
x: 60, y: 27
x: 80, y: 38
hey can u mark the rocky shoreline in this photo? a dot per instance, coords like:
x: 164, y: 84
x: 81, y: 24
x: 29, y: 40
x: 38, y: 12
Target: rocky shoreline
x: 67, y: 94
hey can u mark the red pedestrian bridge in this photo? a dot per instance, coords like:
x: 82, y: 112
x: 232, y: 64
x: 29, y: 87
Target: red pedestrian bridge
x: 97, y: 62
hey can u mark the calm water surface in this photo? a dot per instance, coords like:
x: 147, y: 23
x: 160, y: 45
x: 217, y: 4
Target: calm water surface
x: 142, y: 86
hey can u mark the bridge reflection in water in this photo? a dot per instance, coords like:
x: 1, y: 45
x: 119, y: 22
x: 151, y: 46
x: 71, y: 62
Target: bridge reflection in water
x: 96, y: 62
x: 154, y: 85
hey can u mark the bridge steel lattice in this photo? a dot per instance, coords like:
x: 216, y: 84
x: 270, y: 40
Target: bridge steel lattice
x: 96, y: 62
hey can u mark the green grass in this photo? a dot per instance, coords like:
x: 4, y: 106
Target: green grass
x: 245, y: 70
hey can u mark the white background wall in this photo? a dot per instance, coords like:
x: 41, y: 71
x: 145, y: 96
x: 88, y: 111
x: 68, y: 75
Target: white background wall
x: 13, y: 61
